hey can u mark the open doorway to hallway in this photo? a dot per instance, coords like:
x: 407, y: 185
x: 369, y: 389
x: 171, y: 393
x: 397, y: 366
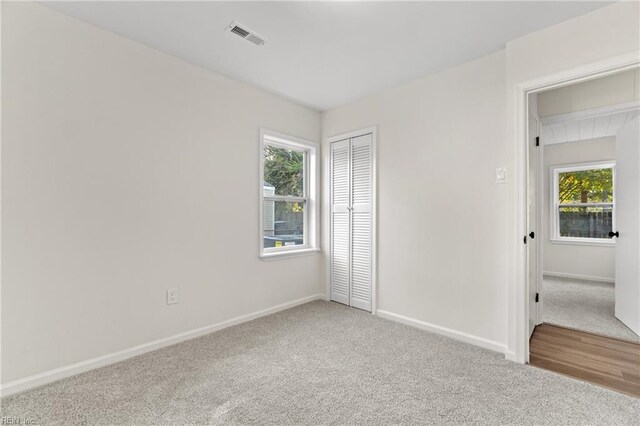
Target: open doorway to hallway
x: 583, y: 195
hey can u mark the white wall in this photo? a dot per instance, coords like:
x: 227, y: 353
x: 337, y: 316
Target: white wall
x: 447, y: 245
x: 601, y: 35
x: 125, y: 172
x: 126, y: 152
x: 610, y: 90
x: 441, y: 216
x: 597, y: 262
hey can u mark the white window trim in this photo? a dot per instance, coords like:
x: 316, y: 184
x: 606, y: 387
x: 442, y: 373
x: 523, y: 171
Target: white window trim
x: 311, y: 211
x: 554, y: 213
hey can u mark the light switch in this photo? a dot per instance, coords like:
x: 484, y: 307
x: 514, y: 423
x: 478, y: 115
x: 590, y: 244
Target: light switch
x: 172, y: 296
x: 501, y: 175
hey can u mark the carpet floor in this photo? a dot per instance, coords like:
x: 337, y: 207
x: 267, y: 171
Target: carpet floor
x: 321, y: 363
x: 583, y: 305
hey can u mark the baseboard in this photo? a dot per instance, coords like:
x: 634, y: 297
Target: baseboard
x: 49, y: 376
x: 510, y: 356
x: 444, y: 331
x: 578, y: 277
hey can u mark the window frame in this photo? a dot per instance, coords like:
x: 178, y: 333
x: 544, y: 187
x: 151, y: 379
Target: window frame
x: 309, y: 198
x: 555, y: 205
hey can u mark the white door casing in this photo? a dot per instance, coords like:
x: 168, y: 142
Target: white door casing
x: 533, y: 235
x: 627, y: 200
x: 518, y: 339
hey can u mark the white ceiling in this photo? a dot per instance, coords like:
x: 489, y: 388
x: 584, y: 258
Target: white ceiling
x: 588, y: 124
x: 325, y: 54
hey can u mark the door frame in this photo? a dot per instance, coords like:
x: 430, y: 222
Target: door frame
x: 537, y: 226
x: 540, y: 191
x: 520, y: 301
x: 373, y: 130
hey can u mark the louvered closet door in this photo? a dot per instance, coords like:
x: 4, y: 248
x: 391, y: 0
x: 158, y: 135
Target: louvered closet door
x: 361, y: 229
x: 340, y: 222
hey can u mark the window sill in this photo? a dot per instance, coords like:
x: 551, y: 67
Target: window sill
x: 289, y: 254
x: 603, y: 243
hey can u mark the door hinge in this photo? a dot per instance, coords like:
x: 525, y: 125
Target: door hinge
x: 537, y: 297
x: 537, y: 140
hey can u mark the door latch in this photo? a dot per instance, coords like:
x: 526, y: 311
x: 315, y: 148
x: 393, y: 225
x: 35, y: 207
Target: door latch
x: 531, y: 234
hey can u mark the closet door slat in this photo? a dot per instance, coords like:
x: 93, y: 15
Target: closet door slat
x: 361, y: 229
x: 340, y: 222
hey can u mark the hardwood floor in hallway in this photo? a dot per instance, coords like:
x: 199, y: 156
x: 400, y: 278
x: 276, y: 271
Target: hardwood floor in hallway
x: 597, y: 359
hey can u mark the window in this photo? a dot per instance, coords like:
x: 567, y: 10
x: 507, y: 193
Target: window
x: 288, y: 188
x: 583, y: 204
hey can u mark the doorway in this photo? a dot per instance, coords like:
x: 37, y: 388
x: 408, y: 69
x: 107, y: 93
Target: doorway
x: 583, y: 193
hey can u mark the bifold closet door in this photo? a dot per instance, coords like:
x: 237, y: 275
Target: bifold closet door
x: 361, y: 168
x: 340, y: 221
x: 351, y: 221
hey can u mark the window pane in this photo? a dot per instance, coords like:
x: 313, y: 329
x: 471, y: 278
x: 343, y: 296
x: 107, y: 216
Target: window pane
x: 283, y: 223
x: 586, y: 186
x: 283, y: 171
x: 585, y: 222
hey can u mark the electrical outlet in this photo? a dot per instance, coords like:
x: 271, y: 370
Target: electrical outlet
x: 172, y: 296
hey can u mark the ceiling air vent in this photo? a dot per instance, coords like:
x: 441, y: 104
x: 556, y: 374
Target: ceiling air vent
x: 246, y: 33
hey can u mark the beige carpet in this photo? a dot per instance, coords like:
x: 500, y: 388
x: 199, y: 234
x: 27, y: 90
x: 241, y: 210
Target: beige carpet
x: 321, y: 363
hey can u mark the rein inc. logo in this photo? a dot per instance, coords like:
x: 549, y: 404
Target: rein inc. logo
x: 11, y: 420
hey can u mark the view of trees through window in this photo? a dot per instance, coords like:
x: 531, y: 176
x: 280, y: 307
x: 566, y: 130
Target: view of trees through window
x: 283, y: 176
x: 284, y: 170
x: 585, y: 199
x: 586, y: 186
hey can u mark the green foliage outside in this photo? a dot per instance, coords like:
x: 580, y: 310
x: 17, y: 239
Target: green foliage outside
x: 587, y: 186
x: 283, y: 169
